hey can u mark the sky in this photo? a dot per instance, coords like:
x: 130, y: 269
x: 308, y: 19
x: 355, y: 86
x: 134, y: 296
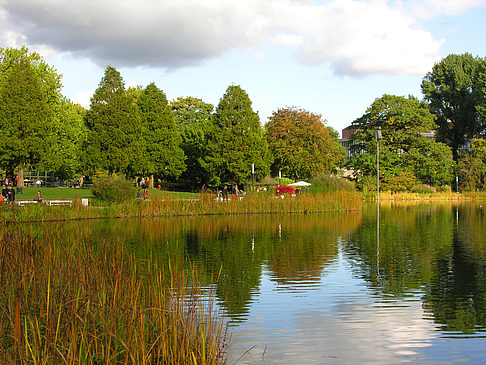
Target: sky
x: 332, y: 58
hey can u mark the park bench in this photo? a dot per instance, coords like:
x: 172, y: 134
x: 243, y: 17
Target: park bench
x: 25, y: 202
x: 58, y: 202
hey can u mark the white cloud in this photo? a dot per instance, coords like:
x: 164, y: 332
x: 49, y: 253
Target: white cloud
x: 355, y: 37
x: 83, y: 98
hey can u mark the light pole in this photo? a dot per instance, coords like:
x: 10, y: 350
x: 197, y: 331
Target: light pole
x: 252, y: 177
x: 378, y: 136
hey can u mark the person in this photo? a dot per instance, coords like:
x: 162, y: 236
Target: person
x: 225, y: 193
x: 4, y: 192
x: 145, y: 194
x: 139, y: 193
x: 38, y: 183
x: 39, y: 197
x: 10, y: 194
x: 81, y: 179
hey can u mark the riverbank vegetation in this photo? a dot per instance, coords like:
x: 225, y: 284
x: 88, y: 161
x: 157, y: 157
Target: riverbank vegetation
x: 121, y: 310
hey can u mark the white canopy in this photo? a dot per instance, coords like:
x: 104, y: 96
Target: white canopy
x: 300, y: 184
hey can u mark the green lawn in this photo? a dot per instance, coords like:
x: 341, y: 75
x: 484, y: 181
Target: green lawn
x: 71, y: 193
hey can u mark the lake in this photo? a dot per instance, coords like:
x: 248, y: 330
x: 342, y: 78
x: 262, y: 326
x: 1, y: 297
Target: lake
x: 331, y: 288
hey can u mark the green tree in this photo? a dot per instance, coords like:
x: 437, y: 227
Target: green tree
x: 301, y: 145
x: 236, y: 141
x: 114, y: 127
x: 403, y: 149
x: 456, y: 92
x: 472, y: 167
x: 48, y: 89
x: 161, y: 153
x: 27, y: 119
x: 71, y: 134
x: 193, y: 117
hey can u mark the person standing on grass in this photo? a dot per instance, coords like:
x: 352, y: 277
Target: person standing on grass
x: 4, y: 192
x: 39, y: 197
x: 10, y: 194
x: 225, y: 193
x: 145, y: 194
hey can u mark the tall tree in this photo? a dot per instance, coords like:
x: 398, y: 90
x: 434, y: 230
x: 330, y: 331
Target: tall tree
x: 236, y: 141
x: 193, y: 117
x: 114, y: 127
x: 27, y: 120
x: 301, y: 144
x: 455, y: 95
x: 404, y: 148
x: 161, y: 153
x: 71, y: 135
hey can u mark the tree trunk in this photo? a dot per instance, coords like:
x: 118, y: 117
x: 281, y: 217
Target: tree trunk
x: 20, y: 174
x: 151, y: 182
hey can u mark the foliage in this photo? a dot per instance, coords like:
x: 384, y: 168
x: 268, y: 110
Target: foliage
x: 456, y: 91
x: 27, y: 127
x: 161, y: 154
x: 114, y: 135
x: 423, y: 189
x: 193, y: 117
x: 472, y: 167
x: 235, y: 141
x: 326, y: 183
x: 113, y: 189
x: 71, y: 135
x: 403, y: 148
x: 403, y: 181
x: 301, y: 145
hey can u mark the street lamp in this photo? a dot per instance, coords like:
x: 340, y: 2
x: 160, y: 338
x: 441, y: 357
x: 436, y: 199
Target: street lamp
x: 378, y: 136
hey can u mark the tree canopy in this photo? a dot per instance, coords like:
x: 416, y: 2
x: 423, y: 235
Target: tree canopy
x: 456, y: 91
x: 405, y: 151
x: 301, y: 145
x: 236, y: 141
x: 193, y: 116
x: 161, y: 153
x: 114, y: 127
x: 27, y: 128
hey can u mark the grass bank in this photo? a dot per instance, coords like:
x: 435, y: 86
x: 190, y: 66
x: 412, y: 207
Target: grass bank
x: 94, y: 303
x: 444, y: 196
x: 164, y: 205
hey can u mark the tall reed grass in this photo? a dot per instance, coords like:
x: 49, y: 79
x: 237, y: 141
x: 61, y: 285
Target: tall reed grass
x: 91, y: 304
x: 203, y: 204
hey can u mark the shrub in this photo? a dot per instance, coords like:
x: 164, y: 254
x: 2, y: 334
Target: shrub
x: 326, y: 183
x: 401, y: 182
x: 444, y: 189
x: 423, y: 189
x: 113, y: 189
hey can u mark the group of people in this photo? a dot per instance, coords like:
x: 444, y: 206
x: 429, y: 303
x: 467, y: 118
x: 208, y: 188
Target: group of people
x: 143, y: 182
x: 8, y: 194
x: 233, y: 191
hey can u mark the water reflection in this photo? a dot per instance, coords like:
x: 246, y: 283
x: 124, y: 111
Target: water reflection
x: 330, y: 288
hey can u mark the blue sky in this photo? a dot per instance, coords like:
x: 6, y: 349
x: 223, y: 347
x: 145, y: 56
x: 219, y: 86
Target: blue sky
x: 329, y: 57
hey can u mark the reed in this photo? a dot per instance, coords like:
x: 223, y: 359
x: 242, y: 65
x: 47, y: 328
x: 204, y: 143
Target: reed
x: 94, y: 303
x: 201, y: 204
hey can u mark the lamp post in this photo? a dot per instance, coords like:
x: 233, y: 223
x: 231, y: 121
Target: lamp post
x: 279, y: 177
x: 378, y: 136
x: 252, y: 177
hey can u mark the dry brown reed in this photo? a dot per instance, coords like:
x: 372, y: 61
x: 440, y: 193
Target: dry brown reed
x: 88, y: 303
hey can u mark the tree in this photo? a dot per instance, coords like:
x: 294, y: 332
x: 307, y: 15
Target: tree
x: 27, y: 127
x: 236, y: 141
x: 404, y: 149
x: 71, y: 135
x: 161, y: 154
x: 301, y: 145
x: 472, y: 167
x: 46, y: 89
x: 456, y: 95
x: 114, y: 127
x: 193, y: 116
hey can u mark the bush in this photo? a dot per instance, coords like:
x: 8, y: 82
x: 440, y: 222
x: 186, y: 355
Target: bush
x: 325, y: 183
x: 113, y: 189
x: 401, y: 182
x: 444, y: 189
x: 423, y: 189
